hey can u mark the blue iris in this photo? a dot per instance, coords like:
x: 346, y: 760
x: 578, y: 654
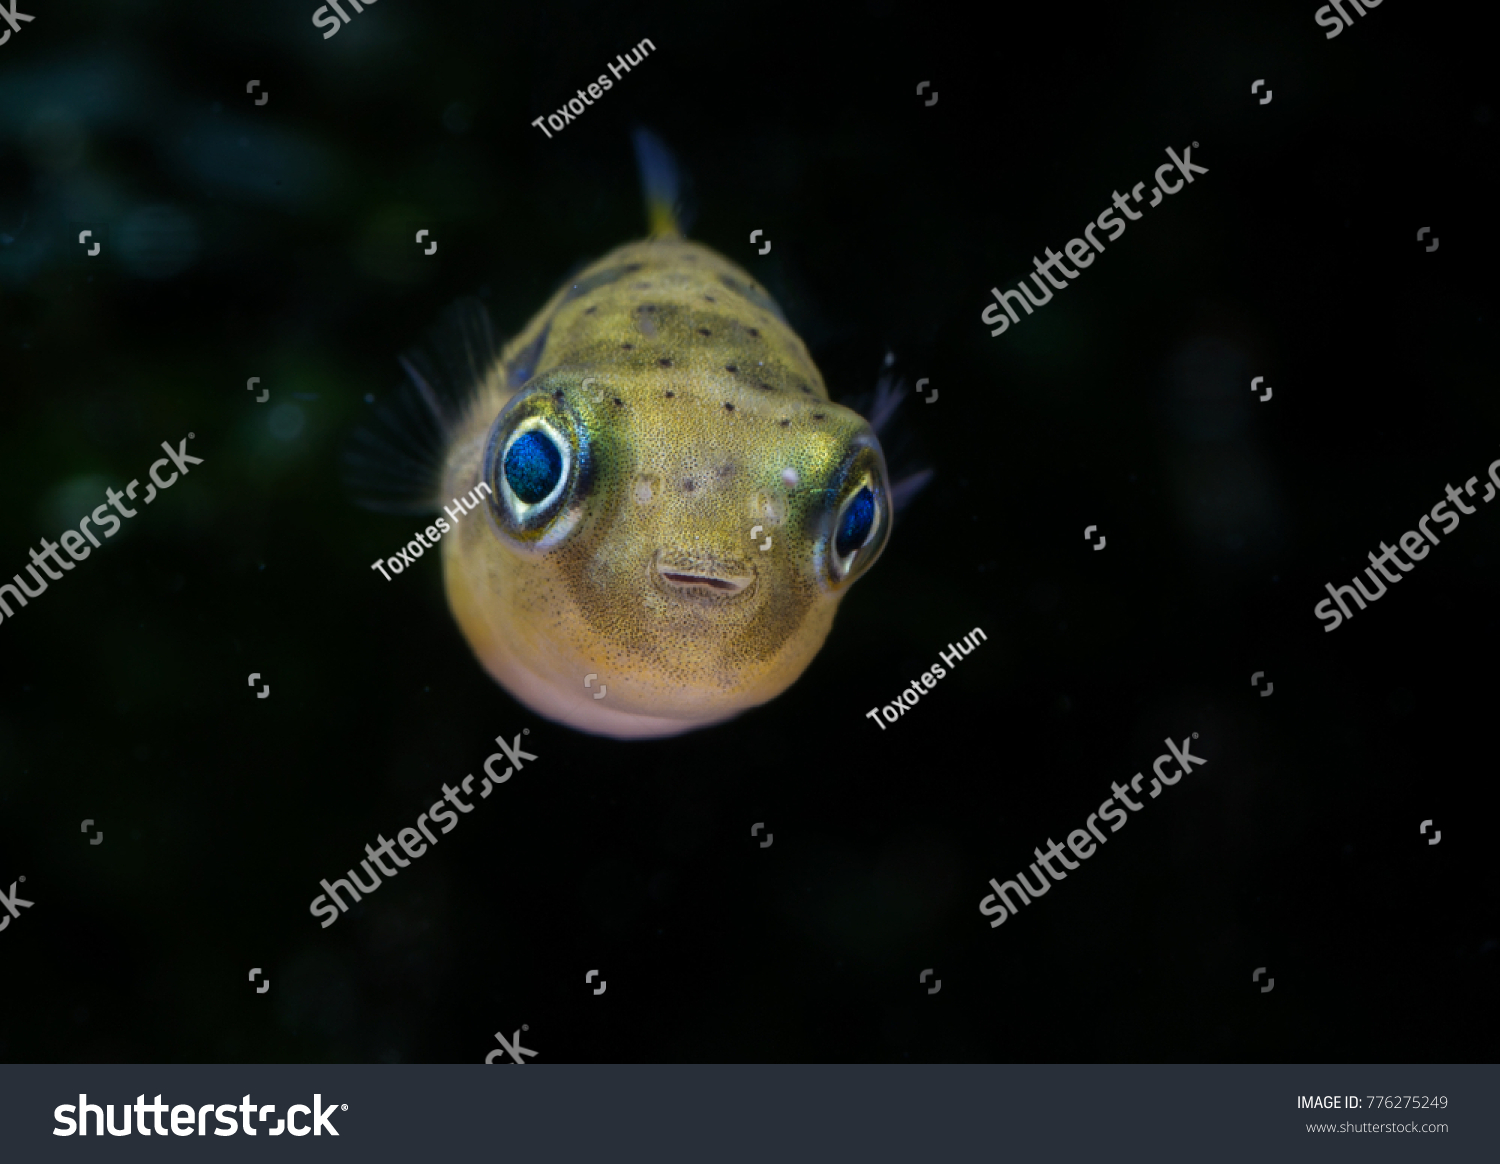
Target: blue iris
x: 532, y: 466
x: 855, y: 527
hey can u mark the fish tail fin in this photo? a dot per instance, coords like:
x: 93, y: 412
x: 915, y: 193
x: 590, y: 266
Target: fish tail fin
x: 661, y: 185
x: 393, y: 461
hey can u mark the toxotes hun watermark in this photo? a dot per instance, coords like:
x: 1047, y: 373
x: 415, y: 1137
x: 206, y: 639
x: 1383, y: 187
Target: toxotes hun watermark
x: 428, y: 539
x: 574, y: 106
x: 908, y: 698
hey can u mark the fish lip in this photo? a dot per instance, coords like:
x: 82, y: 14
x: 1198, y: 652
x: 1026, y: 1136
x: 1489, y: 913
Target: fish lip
x: 702, y: 578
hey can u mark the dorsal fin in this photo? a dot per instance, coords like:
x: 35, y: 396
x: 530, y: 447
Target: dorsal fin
x: 393, y: 462
x: 879, y: 409
x: 661, y: 186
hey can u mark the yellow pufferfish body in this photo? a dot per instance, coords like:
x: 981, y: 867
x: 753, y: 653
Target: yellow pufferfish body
x: 675, y: 506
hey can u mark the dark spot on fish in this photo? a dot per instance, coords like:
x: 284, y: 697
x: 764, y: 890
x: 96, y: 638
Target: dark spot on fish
x: 710, y: 298
x: 670, y: 395
x: 755, y: 333
x: 784, y: 423
x: 689, y: 485
x: 754, y: 294
x: 704, y: 331
x: 665, y: 363
x: 728, y: 407
x: 590, y: 310
x: 618, y: 401
x: 762, y: 387
x: 731, y: 368
x: 631, y: 348
x: 557, y: 395
x: 596, y: 280
x: 643, y: 286
x: 817, y: 416
x: 806, y: 389
x: 725, y: 471
x: 646, y: 307
x: 630, y: 267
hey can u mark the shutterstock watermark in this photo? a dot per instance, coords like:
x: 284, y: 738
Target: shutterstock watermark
x: 1001, y: 905
x: 13, y: 17
x: 410, y: 839
x: 13, y: 904
x: 322, y: 18
x: 1082, y: 251
x: 106, y: 522
x: 188, y: 1120
x: 1416, y: 544
x: 1326, y: 18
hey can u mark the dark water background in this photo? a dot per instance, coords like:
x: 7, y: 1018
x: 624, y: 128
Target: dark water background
x: 275, y: 241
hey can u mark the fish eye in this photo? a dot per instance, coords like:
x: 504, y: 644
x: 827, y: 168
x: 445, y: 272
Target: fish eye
x: 535, y: 457
x: 854, y: 530
x: 855, y: 524
x: 533, y: 466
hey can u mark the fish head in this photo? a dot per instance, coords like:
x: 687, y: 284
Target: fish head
x: 679, y: 536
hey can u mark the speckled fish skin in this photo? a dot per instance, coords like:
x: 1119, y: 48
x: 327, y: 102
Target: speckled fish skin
x: 695, y: 413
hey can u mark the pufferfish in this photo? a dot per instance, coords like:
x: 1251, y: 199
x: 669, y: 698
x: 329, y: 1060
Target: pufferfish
x: 667, y: 506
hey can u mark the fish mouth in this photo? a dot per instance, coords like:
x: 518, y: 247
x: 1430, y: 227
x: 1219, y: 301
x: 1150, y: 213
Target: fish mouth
x: 700, y: 576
